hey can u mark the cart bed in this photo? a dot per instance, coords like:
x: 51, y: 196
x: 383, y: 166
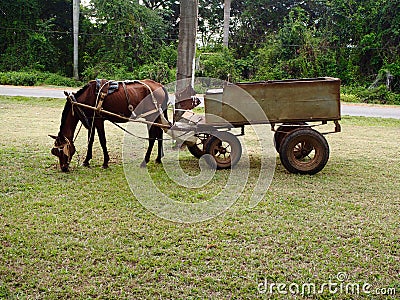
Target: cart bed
x: 283, y: 101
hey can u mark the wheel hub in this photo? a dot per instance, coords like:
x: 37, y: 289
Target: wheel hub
x: 222, y: 150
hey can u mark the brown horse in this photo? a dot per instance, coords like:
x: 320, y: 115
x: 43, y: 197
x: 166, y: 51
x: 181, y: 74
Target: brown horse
x: 145, y: 98
x: 127, y: 99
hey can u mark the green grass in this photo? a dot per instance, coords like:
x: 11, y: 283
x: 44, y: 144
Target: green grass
x: 83, y: 235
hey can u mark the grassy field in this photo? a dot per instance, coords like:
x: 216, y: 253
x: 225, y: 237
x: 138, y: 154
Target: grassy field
x: 83, y: 235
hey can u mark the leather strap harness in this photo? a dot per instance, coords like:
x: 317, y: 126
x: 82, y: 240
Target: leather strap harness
x: 103, y: 89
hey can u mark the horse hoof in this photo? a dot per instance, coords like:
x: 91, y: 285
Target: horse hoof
x: 86, y: 164
x: 143, y: 164
x: 104, y: 166
x: 158, y: 161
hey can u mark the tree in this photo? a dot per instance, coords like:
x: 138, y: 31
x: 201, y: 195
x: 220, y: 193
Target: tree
x: 34, y: 35
x: 122, y: 34
x: 354, y: 40
x: 169, y: 11
x: 367, y: 33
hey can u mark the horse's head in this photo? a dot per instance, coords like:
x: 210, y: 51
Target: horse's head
x: 64, y: 149
x: 186, y: 98
x: 189, y: 103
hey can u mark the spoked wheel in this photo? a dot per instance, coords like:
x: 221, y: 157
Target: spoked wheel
x: 304, y: 151
x: 199, y: 148
x: 225, y: 150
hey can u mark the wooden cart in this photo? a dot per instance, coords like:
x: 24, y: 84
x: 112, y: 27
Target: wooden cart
x: 292, y: 107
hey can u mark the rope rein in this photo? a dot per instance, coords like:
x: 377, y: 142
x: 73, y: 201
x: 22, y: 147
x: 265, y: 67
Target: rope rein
x: 79, y: 130
x: 146, y: 138
x: 101, y: 96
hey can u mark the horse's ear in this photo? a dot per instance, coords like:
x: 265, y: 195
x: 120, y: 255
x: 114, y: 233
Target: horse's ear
x: 66, y: 93
x: 52, y: 136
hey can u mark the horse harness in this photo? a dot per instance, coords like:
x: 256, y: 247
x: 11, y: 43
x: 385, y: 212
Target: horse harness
x: 109, y: 87
x: 103, y: 89
x: 64, y: 148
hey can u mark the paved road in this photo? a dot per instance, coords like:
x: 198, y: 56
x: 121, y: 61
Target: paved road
x: 380, y: 111
x: 34, y: 91
x: 347, y: 109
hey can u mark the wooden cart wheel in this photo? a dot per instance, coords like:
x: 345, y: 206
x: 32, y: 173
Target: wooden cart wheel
x: 199, y: 148
x: 283, y: 131
x: 304, y: 151
x: 225, y: 150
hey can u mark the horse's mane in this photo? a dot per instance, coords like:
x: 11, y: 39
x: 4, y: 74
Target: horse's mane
x: 82, y: 90
x: 67, y: 108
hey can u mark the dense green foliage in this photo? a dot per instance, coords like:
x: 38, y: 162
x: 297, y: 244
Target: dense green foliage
x: 378, y: 95
x: 36, y: 35
x: 357, y: 41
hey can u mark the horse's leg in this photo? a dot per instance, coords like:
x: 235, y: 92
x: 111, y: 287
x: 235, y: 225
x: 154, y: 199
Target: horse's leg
x: 160, y: 145
x: 103, y: 142
x: 91, y: 134
x: 152, y: 138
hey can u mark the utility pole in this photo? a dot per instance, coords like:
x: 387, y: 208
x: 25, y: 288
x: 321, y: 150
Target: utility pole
x: 227, y: 15
x: 75, y: 25
x: 186, y: 50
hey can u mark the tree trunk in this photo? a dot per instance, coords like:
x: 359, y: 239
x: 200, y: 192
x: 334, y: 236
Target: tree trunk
x: 227, y: 15
x: 75, y: 22
x: 186, y: 50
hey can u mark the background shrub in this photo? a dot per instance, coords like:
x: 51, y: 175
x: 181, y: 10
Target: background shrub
x: 36, y: 78
x: 157, y: 71
x: 378, y: 95
x: 107, y: 71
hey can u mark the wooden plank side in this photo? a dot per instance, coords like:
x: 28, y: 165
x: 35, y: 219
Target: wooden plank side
x: 282, y: 101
